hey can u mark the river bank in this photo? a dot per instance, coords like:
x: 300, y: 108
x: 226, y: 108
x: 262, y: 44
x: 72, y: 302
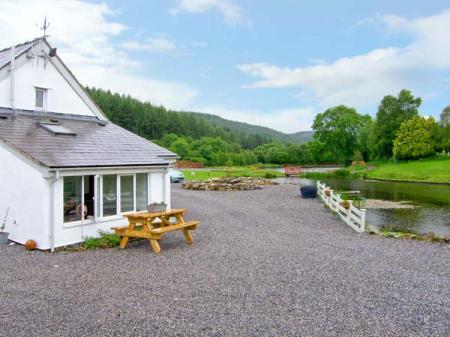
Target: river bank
x: 432, y: 170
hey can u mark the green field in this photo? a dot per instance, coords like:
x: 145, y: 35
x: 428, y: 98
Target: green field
x: 244, y: 171
x: 435, y: 170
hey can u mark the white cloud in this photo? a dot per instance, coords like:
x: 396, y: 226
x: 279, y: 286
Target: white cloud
x: 285, y: 120
x: 155, y: 44
x: 363, y: 79
x: 231, y: 12
x: 85, y: 35
x: 198, y: 44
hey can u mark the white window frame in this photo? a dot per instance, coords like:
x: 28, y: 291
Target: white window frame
x: 44, y: 98
x: 83, y: 219
x: 107, y: 217
x: 119, y: 198
x: 98, y: 198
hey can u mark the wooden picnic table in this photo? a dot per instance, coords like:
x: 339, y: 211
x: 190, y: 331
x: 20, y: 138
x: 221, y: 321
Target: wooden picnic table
x: 153, y: 225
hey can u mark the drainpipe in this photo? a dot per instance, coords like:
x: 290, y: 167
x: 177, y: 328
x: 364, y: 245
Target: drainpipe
x: 52, y: 211
x: 12, y: 80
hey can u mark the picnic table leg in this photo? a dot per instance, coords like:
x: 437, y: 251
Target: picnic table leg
x: 125, y: 239
x: 155, y: 245
x: 124, y: 242
x: 188, y: 236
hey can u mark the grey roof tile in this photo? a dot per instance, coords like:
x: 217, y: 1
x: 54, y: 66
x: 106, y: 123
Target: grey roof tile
x: 5, y: 54
x: 92, y: 146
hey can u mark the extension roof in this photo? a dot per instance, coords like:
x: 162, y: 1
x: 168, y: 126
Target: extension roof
x: 91, y: 142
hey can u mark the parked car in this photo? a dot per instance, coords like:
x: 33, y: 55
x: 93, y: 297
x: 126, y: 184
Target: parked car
x: 176, y: 176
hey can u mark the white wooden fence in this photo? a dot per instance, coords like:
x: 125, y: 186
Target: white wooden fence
x: 353, y: 216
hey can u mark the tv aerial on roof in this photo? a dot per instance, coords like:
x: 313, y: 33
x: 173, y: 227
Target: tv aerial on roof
x: 45, y: 27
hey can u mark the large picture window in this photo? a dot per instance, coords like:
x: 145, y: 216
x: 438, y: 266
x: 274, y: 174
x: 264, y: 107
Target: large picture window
x: 126, y: 193
x: 72, y: 198
x: 141, y: 191
x: 109, y: 194
x: 78, y: 198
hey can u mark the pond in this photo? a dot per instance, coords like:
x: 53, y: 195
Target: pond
x: 431, y: 214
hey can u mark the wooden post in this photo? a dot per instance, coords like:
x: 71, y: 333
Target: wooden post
x: 363, y: 220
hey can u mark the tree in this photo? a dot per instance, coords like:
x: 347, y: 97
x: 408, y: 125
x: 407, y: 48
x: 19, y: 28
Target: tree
x: 365, y: 138
x: 337, y: 128
x: 415, y: 138
x: 444, y: 130
x: 392, y: 112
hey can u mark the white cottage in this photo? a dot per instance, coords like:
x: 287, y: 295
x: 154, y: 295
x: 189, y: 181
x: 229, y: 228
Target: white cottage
x: 66, y: 172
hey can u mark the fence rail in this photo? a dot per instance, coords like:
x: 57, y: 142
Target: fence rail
x: 352, y: 216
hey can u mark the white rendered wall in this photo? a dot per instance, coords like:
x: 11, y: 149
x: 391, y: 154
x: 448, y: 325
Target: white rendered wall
x: 24, y: 190
x: 66, y: 233
x: 61, y: 97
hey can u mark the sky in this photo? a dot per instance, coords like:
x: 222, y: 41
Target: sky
x: 271, y: 63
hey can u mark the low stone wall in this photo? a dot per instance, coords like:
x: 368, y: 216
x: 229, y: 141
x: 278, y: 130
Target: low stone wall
x: 228, y: 184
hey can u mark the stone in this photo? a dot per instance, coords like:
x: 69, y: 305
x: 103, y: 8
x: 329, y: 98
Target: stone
x: 228, y: 184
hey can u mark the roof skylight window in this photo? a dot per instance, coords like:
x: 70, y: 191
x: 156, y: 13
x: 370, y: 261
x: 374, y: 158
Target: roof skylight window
x: 57, y: 128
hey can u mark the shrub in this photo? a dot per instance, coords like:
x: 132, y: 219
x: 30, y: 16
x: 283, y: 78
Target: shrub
x: 341, y: 173
x: 106, y: 240
x: 270, y: 175
x: 415, y: 138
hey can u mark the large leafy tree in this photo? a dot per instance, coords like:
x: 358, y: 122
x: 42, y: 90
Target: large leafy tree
x: 338, y: 128
x: 415, y: 138
x: 444, y: 130
x: 392, y: 112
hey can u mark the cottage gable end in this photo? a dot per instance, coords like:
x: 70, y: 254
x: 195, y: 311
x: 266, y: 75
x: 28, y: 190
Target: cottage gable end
x: 38, y: 80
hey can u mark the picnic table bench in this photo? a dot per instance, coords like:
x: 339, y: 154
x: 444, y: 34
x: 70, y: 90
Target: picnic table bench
x: 153, y: 225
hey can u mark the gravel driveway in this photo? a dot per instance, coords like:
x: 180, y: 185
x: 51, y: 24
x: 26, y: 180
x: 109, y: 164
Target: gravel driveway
x: 264, y: 263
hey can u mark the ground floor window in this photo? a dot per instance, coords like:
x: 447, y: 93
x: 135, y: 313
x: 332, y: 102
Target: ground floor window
x: 109, y: 192
x: 78, y: 198
x: 126, y: 193
x: 141, y: 191
x: 104, y: 195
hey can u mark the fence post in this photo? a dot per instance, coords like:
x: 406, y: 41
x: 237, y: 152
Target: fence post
x: 330, y: 200
x: 349, y: 210
x: 363, y: 220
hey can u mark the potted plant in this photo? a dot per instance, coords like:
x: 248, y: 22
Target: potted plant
x: 157, y: 207
x: 345, y: 204
x: 4, y: 235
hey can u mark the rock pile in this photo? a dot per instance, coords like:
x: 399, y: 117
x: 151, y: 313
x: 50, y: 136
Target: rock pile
x: 228, y: 184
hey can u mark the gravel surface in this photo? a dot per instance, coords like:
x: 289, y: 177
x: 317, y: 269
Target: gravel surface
x: 264, y: 263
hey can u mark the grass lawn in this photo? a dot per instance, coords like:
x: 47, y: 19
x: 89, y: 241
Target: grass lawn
x: 425, y: 170
x: 244, y: 171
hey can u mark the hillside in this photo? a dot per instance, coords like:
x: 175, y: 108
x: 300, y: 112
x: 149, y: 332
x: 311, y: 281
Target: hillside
x: 298, y: 137
x: 152, y: 122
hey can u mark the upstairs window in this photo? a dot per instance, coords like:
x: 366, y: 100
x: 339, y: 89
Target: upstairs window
x: 41, y: 98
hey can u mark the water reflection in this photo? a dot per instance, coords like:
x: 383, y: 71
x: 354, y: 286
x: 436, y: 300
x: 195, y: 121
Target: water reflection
x: 432, y: 215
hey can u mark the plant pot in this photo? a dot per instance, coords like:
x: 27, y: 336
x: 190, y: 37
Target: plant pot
x: 152, y: 208
x: 308, y: 191
x: 345, y: 204
x: 3, y: 238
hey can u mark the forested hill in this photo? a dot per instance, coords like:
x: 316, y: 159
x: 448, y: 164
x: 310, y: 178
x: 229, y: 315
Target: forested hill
x: 298, y: 137
x: 152, y: 122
